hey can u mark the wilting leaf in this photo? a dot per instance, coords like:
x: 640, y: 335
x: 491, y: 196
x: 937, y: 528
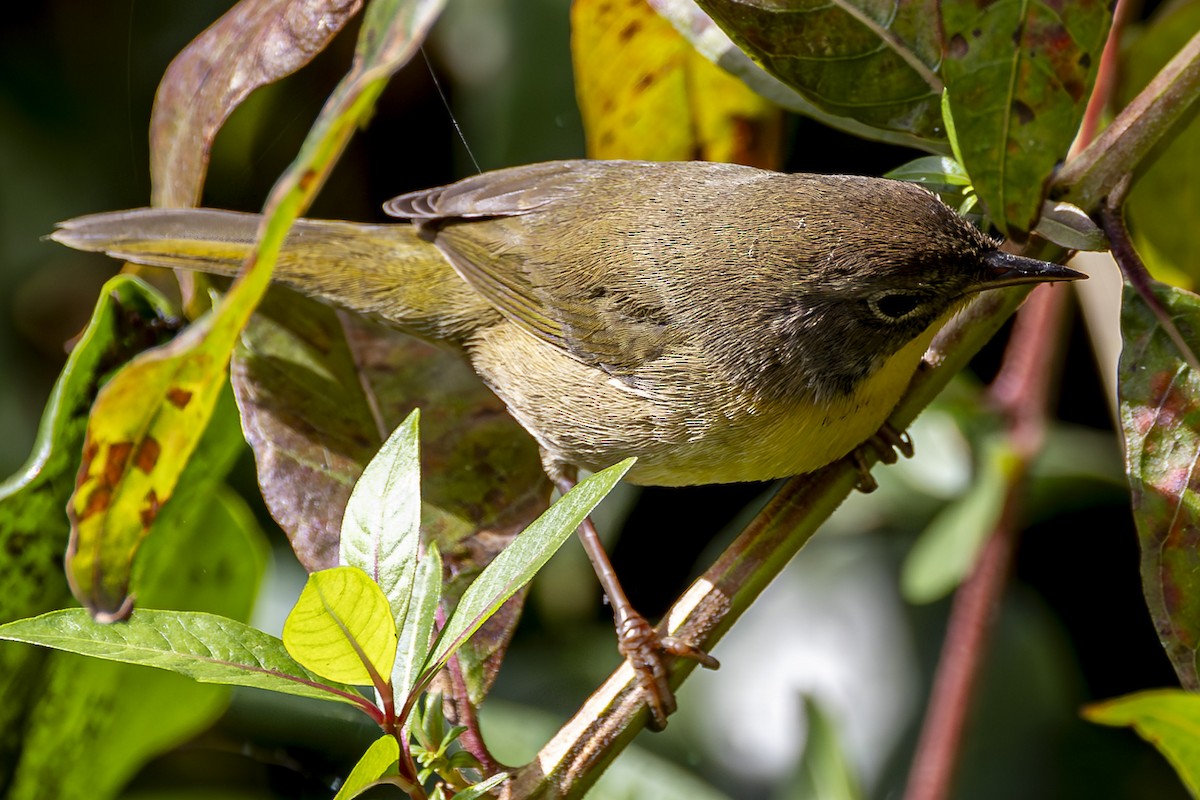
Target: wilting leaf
x: 645, y: 93
x: 379, y: 761
x: 1019, y: 76
x: 205, y: 647
x: 341, y: 627
x: 1169, y: 719
x: 255, y: 43
x: 873, y: 62
x: 143, y: 429
x: 1160, y: 415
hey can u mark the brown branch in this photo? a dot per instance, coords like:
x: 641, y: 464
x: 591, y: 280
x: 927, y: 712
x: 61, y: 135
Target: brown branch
x: 1128, y: 141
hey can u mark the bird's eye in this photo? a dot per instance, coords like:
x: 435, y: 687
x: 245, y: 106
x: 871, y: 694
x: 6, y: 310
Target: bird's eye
x: 895, y: 306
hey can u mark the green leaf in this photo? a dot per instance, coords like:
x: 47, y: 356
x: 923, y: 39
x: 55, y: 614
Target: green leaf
x: 480, y: 789
x: 1067, y: 226
x: 825, y: 772
x: 870, y: 61
x: 1159, y: 398
x: 128, y: 317
x: 1169, y: 719
x: 518, y: 563
x: 379, y: 761
x: 342, y: 628
x: 416, y: 629
x: 205, y: 647
x: 382, y: 525
x: 1018, y: 76
x: 114, y: 717
x: 947, y: 549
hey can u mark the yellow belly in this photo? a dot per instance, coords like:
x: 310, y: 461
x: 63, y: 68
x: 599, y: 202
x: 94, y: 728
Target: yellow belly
x: 589, y: 419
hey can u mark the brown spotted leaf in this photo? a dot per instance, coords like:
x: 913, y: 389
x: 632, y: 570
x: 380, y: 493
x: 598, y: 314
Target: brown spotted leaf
x: 1160, y: 415
x: 645, y: 93
x: 873, y: 61
x: 33, y: 523
x: 255, y: 43
x: 1019, y: 75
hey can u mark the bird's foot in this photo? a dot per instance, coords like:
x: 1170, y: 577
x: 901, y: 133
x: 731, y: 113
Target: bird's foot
x: 887, y: 442
x: 646, y: 652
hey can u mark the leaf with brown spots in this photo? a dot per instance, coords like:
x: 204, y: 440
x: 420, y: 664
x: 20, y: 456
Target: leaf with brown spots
x: 1019, y: 75
x: 866, y: 60
x: 129, y: 316
x: 1160, y: 415
x: 645, y: 93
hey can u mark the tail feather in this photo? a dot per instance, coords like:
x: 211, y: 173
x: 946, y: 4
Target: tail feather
x: 385, y: 271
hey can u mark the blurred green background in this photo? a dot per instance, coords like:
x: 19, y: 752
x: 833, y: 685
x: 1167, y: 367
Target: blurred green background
x: 76, y: 84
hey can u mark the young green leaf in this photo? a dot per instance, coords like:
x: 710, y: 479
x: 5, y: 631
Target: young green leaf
x: 514, y: 567
x: 1160, y: 414
x: 382, y: 525
x: 378, y: 762
x: 342, y: 628
x: 1169, y: 719
x: 205, y: 647
x: 482, y: 788
x: 416, y: 629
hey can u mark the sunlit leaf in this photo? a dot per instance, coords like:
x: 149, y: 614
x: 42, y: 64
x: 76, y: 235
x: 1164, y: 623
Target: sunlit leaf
x: 870, y: 61
x: 205, y: 647
x: 382, y: 525
x: 1160, y: 415
x: 666, y: 102
x: 1169, y: 719
x: 1018, y: 75
x: 379, y: 761
x: 342, y: 628
x: 416, y: 630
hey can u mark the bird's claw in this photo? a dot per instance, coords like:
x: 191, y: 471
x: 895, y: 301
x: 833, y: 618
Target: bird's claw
x: 646, y: 652
x: 886, y: 442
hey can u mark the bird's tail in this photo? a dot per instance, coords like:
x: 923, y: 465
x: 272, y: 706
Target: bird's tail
x: 385, y: 271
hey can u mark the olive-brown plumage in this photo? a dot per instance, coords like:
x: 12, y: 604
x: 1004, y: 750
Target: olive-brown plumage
x: 719, y: 322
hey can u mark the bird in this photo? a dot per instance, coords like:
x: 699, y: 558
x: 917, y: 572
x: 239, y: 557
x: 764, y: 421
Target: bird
x: 720, y: 323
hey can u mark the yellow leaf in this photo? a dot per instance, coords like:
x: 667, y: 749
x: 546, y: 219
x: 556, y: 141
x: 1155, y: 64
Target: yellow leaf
x: 644, y: 93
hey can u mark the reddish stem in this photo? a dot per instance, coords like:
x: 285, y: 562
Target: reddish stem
x: 1021, y: 390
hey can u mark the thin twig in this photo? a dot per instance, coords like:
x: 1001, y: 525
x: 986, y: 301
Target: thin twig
x: 1021, y: 390
x: 1113, y: 218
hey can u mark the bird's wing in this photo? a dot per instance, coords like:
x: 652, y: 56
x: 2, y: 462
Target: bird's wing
x: 565, y: 297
